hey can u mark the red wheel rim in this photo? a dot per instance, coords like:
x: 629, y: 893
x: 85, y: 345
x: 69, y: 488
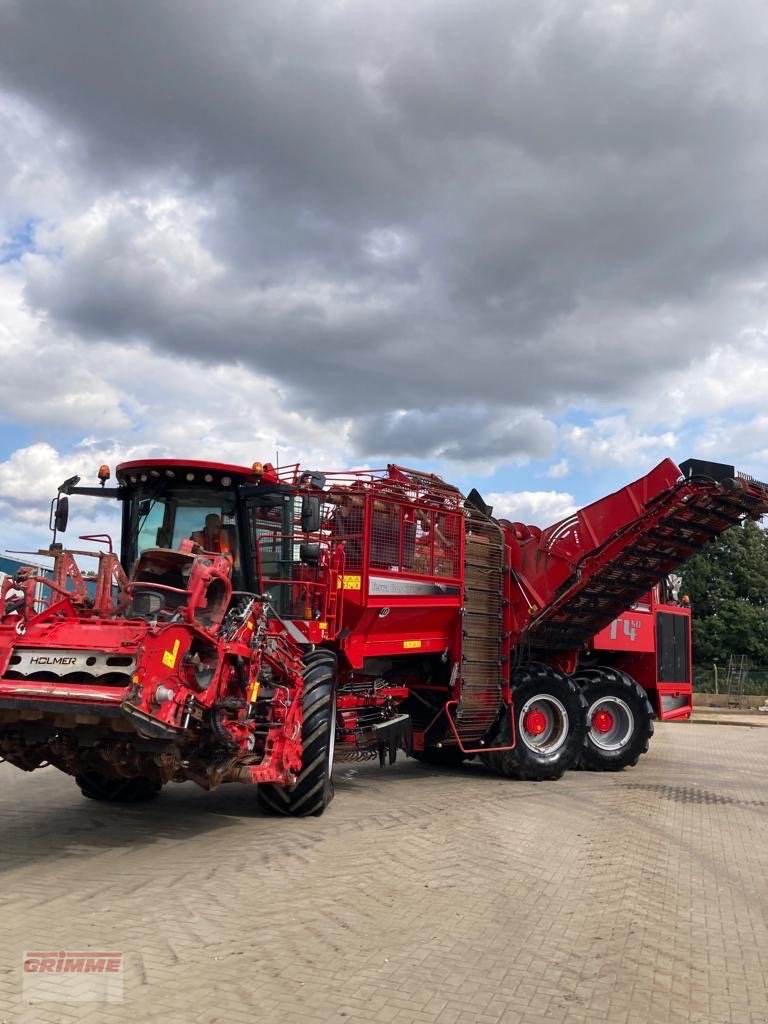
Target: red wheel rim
x: 535, y: 722
x: 603, y: 721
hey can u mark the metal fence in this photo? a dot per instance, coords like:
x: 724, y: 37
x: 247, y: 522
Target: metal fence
x: 712, y: 679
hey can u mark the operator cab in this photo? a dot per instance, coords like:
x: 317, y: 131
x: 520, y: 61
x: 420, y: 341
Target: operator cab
x: 254, y: 519
x: 167, y: 504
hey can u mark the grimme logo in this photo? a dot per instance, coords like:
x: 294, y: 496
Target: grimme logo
x: 73, y: 976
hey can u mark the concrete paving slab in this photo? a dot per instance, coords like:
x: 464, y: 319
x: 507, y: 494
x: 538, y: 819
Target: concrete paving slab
x: 438, y: 897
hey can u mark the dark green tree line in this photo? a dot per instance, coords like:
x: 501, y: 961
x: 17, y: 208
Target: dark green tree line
x: 728, y: 587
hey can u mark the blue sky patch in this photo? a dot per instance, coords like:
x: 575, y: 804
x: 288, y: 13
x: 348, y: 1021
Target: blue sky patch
x: 18, y: 242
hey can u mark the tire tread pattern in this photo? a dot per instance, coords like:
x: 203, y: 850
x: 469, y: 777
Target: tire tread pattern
x: 613, y: 682
x: 522, y: 762
x: 313, y: 789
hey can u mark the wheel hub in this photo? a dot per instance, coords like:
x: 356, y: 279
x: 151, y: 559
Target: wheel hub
x: 611, y: 723
x: 543, y: 724
x: 603, y: 721
x: 535, y: 722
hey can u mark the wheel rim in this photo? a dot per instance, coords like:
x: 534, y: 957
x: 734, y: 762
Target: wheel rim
x: 543, y: 724
x: 611, y: 723
x: 332, y: 737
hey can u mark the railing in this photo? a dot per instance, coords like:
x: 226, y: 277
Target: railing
x: 300, y: 589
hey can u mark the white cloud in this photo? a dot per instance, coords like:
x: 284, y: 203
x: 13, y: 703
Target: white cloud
x: 743, y: 444
x: 28, y: 482
x: 729, y: 379
x: 48, y: 379
x: 535, y: 508
x: 38, y: 177
x: 558, y: 469
x: 613, y: 440
x: 174, y: 408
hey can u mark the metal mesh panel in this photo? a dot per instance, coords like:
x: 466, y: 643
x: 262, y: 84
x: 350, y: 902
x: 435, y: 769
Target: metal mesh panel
x: 403, y: 536
x: 448, y: 530
x: 393, y: 534
x: 346, y: 524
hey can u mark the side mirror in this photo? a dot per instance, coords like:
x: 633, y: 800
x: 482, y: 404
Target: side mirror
x: 59, y: 514
x: 310, y: 514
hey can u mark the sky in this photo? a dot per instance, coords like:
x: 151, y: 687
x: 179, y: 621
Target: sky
x: 521, y: 245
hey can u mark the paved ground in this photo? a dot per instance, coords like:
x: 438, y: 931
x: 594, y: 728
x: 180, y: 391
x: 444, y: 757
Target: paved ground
x: 442, y: 898
x: 731, y: 716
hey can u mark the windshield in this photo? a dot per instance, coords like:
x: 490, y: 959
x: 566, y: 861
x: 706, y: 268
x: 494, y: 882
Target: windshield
x: 164, y: 518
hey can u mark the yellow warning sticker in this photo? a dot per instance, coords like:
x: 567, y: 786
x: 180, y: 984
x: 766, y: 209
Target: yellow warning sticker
x: 169, y: 657
x: 254, y: 691
x: 411, y: 643
x: 351, y: 582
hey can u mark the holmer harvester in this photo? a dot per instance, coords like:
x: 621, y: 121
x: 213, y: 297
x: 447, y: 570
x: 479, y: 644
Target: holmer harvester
x: 255, y: 619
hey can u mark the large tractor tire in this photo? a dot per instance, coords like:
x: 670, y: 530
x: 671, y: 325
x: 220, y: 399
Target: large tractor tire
x: 619, y: 720
x: 313, y: 789
x: 550, y: 725
x: 139, y: 789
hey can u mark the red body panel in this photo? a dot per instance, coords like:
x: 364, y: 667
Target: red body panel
x: 635, y: 642
x: 633, y: 632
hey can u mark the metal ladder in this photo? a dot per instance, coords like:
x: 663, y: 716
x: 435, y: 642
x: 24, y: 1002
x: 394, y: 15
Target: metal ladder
x: 737, y: 675
x: 481, y: 649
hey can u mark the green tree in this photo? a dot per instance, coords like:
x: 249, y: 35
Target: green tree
x: 728, y: 587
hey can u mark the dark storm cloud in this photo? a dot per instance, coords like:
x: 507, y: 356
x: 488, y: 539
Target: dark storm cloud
x: 433, y: 435
x: 411, y: 206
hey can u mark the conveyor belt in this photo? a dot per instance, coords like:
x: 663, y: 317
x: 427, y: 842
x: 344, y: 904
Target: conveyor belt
x: 636, y: 557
